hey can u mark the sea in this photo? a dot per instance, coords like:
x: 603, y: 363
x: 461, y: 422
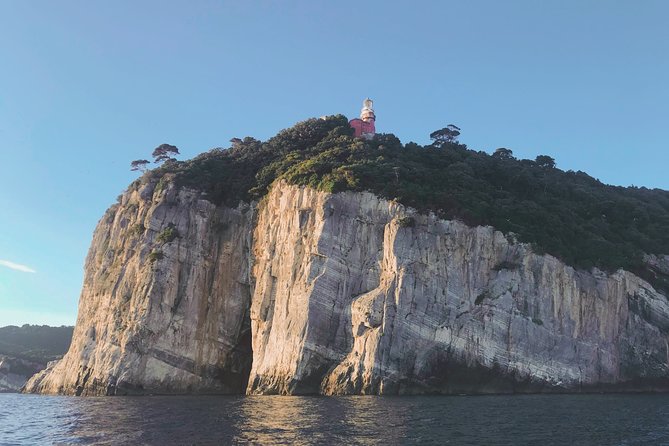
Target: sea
x: 611, y: 419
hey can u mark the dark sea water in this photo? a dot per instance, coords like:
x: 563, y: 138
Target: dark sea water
x: 462, y: 420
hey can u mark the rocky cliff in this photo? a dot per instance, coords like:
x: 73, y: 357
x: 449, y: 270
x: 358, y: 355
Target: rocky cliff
x: 14, y: 372
x: 165, y: 300
x: 26, y: 350
x: 310, y: 292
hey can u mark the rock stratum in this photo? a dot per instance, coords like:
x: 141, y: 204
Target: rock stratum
x: 308, y: 292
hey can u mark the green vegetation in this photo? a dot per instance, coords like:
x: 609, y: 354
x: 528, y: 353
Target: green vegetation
x: 567, y: 214
x: 39, y: 343
x: 139, y: 165
x: 155, y: 256
x: 162, y: 153
x: 164, y: 181
x: 137, y: 229
x: 406, y: 222
x: 167, y: 235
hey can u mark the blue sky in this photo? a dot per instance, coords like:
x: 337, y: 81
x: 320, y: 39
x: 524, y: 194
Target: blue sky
x: 86, y: 87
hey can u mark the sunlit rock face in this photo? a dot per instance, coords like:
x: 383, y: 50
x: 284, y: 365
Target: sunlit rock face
x: 310, y: 292
x: 165, y: 300
x: 358, y: 295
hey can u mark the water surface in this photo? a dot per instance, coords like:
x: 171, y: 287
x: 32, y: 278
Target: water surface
x: 464, y: 420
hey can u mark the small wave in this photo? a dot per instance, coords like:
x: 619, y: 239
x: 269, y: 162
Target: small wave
x: 494, y: 420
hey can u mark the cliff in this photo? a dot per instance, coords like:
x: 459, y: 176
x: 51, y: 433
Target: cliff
x: 165, y: 300
x: 344, y: 293
x: 14, y: 372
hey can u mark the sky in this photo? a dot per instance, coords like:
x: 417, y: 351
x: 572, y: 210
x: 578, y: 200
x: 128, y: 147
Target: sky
x: 86, y: 87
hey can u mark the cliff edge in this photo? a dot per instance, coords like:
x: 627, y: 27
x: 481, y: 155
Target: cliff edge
x: 165, y: 300
x: 344, y: 293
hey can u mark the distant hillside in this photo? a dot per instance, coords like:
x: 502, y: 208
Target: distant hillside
x: 39, y: 343
x: 569, y: 214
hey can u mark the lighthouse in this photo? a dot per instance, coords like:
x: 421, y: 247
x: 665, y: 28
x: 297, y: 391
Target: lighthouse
x: 364, y: 125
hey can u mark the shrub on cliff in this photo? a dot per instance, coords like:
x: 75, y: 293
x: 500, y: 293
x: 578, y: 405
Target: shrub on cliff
x: 167, y: 235
x: 154, y: 256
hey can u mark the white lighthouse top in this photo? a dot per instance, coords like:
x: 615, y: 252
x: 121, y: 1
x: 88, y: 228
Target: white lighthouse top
x: 367, y: 111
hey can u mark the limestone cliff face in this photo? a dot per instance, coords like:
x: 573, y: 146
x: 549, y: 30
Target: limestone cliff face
x: 345, y: 294
x: 355, y: 295
x: 165, y: 300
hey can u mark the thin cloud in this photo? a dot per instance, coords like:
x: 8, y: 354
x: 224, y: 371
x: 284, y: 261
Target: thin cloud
x: 17, y: 266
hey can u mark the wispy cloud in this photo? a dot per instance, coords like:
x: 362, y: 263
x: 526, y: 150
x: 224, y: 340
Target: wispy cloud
x: 17, y: 266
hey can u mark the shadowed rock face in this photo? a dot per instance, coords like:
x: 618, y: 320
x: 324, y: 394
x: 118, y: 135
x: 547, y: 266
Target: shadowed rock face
x: 14, y: 372
x: 344, y: 294
x: 165, y: 300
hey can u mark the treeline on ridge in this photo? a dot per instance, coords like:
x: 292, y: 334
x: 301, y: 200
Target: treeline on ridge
x: 570, y: 215
x: 39, y: 343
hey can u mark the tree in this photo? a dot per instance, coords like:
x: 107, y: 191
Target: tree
x: 139, y: 165
x: 545, y: 161
x: 164, y: 152
x: 448, y: 134
x: 503, y: 154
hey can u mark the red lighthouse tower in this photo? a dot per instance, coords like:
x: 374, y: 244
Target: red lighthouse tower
x: 364, y: 126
